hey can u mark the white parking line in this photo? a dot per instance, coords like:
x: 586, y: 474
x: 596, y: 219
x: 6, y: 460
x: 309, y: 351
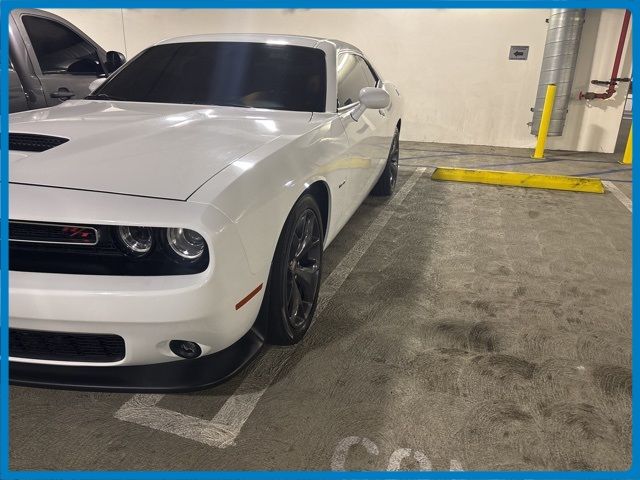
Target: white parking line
x: 222, y: 431
x: 626, y: 201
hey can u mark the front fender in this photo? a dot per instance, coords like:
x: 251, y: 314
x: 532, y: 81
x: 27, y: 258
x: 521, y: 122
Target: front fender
x: 258, y: 191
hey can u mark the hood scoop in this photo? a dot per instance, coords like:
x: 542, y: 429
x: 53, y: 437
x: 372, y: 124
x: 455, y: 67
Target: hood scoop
x: 28, y: 142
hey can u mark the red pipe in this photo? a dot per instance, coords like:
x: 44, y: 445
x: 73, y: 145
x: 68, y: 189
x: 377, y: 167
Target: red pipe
x: 616, y: 64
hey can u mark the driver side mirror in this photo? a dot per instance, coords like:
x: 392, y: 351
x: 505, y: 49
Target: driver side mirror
x: 371, y: 98
x: 114, y: 61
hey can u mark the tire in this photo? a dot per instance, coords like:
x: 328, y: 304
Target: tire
x: 294, y: 280
x: 387, y: 181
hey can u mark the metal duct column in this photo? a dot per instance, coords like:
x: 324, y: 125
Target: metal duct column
x: 558, y: 65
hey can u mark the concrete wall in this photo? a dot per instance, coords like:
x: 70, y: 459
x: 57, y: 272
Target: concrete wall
x: 451, y: 65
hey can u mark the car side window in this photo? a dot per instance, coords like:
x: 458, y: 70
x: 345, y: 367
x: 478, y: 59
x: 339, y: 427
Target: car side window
x: 369, y: 74
x: 351, y: 79
x: 59, y: 49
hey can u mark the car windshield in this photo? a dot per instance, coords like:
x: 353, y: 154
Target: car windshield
x: 243, y: 74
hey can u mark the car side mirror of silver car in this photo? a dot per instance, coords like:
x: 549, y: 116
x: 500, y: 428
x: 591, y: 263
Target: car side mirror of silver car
x: 114, y: 61
x: 371, y: 98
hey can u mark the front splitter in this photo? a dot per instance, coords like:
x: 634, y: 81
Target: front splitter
x: 179, y: 376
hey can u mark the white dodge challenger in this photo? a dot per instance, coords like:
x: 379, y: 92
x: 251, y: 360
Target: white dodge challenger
x: 165, y: 227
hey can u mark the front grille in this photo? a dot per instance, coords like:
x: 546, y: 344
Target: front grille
x: 52, y: 233
x: 65, y: 347
x: 29, y: 142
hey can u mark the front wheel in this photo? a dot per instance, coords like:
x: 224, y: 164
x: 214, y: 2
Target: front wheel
x: 294, y: 281
x: 387, y: 181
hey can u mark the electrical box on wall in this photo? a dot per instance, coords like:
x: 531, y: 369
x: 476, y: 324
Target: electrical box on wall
x: 518, y: 52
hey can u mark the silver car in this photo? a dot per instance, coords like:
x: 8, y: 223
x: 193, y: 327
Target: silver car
x: 51, y: 60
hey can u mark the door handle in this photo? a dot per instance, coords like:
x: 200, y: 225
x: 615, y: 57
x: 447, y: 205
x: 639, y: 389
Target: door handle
x: 63, y: 93
x: 382, y: 112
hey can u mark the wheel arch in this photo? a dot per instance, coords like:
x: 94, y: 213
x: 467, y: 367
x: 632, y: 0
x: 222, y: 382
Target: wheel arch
x: 322, y: 195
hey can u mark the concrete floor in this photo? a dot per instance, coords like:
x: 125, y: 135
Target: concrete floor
x: 482, y: 328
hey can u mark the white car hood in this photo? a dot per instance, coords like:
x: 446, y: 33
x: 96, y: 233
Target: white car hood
x: 153, y: 150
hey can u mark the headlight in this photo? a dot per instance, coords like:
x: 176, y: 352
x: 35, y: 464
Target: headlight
x: 127, y: 250
x: 136, y: 241
x: 186, y: 243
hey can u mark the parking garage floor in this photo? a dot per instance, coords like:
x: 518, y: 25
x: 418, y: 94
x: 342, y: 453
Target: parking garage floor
x: 461, y: 326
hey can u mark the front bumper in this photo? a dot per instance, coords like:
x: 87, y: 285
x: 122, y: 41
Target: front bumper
x: 147, y: 312
x: 178, y: 376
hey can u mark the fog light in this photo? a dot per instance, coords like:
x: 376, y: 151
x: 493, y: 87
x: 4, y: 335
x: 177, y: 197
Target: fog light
x: 185, y: 349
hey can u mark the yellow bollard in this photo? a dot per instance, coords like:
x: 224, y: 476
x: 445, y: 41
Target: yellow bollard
x: 545, y: 121
x: 626, y: 158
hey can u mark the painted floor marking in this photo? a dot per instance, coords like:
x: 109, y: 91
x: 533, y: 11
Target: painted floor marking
x: 626, y: 201
x: 223, y: 429
x: 339, y: 458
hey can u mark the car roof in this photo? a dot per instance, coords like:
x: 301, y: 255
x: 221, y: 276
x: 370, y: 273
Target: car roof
x: 301, y: 40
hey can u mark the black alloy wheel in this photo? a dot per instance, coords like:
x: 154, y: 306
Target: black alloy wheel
x: 394, y: 158
x: 387, y: 181
x: 294, y: 282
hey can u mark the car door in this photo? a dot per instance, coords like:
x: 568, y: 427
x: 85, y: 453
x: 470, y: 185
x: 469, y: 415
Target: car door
x: 64, y: 59
x: 17, y: 97
x: 367, y: 136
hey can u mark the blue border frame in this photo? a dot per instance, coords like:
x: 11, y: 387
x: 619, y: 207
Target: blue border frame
x: 7, y: 5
